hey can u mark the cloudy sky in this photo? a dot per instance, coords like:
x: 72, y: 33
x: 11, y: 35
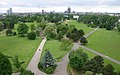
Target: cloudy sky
x: 60, y: 5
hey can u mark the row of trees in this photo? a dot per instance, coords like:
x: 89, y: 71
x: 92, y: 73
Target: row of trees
x: 79, y: 61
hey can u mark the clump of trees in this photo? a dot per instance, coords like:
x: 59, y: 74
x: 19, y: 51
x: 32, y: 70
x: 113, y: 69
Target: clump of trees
x: 47, y: 63
x: 79, y: 62
x: 75, y: 34
x: 103, y: 21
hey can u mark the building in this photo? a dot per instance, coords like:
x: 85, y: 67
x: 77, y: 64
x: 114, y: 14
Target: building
x: 9, y: 11
x: 69, y: 10
x: 43, y: 11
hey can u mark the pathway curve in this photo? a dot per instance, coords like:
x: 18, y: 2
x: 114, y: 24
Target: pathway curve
x: 61, y: 68
x: 33, y: 65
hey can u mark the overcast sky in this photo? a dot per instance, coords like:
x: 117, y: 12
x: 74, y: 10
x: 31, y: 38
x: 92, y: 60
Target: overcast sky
x: 60, y: 5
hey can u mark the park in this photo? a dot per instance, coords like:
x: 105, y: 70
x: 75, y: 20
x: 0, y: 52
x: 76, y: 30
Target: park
x: 60, y: 45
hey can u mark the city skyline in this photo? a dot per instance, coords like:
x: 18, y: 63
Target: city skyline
x: 60, y: 6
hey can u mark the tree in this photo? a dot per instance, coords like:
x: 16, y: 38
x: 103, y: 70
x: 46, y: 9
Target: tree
x: 83, y: 40
x: 1, y: 27
x: 5, y: 65
x: 118, y: 28
x: 32, y: 27
x: 76, y: 62
x: 22, y: 29
x: 66, y: 44
x: 16, y: 62
x: 94, y: 65
x: 77, y: 59
x: 59, y: 36
x: 74, y: 37
x: 9, y: 32
x: 109, y: 70
x: 50, y: 31
x: 80, y: 33
x: 31, y: 35
x: 47, y: 63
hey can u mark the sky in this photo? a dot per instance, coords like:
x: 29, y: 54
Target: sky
x: 112, y: 6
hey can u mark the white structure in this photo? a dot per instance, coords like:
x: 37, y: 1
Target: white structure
x: 9, y: 11
x: 75, y: 17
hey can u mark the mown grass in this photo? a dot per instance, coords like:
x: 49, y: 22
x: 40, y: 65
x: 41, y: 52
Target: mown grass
x: 80, y: 26
x: 54, y: 46
x: 20, y: 46
x: 106, y: 42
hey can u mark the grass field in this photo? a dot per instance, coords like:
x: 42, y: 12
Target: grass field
x: 54, y: 47
x: 20, y: 46
x: 106, y: 42
x: 80, y: 26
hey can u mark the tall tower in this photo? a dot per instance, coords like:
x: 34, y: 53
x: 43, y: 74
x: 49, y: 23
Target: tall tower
x: 69, y: 10
x: 9, y: 11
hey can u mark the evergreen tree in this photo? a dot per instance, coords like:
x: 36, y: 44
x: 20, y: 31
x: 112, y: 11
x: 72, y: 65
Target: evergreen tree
x: 47, y: 60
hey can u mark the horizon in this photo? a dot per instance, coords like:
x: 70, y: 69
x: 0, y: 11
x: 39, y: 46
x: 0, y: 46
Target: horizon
x: 110, y: 6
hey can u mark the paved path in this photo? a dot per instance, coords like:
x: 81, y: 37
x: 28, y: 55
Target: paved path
x: 61, y: 68
x: 86, y: 35
x: 33, y: 65
x: 102, y: 55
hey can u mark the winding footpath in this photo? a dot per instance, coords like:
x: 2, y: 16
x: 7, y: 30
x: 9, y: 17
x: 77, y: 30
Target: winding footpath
x: 61, y: 68
x: 33, y: 65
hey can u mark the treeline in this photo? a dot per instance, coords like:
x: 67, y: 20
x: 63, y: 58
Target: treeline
x: 103, y: 21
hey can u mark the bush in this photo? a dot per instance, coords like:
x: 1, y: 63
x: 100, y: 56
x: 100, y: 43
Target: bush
x: 49, y: 70
x: 31, y: 35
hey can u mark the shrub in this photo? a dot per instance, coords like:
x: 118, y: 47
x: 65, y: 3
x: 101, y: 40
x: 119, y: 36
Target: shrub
x: 49, y: 70
x: 31, y: 35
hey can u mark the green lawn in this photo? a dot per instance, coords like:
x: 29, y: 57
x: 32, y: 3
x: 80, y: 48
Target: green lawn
x: 20, y: 46
x: 54, y: 47
x: 106, y: 42
x: 80, y: 26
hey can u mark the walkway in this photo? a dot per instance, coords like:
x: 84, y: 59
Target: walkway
x: 61, y: 68
x: 102, y: 55
x: 33, y: 65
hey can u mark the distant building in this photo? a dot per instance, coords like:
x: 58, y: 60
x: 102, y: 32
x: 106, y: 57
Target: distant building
x: 69, y: 10
x: 76, y: 17
x: 9, y: 11
x: 43, y: 11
